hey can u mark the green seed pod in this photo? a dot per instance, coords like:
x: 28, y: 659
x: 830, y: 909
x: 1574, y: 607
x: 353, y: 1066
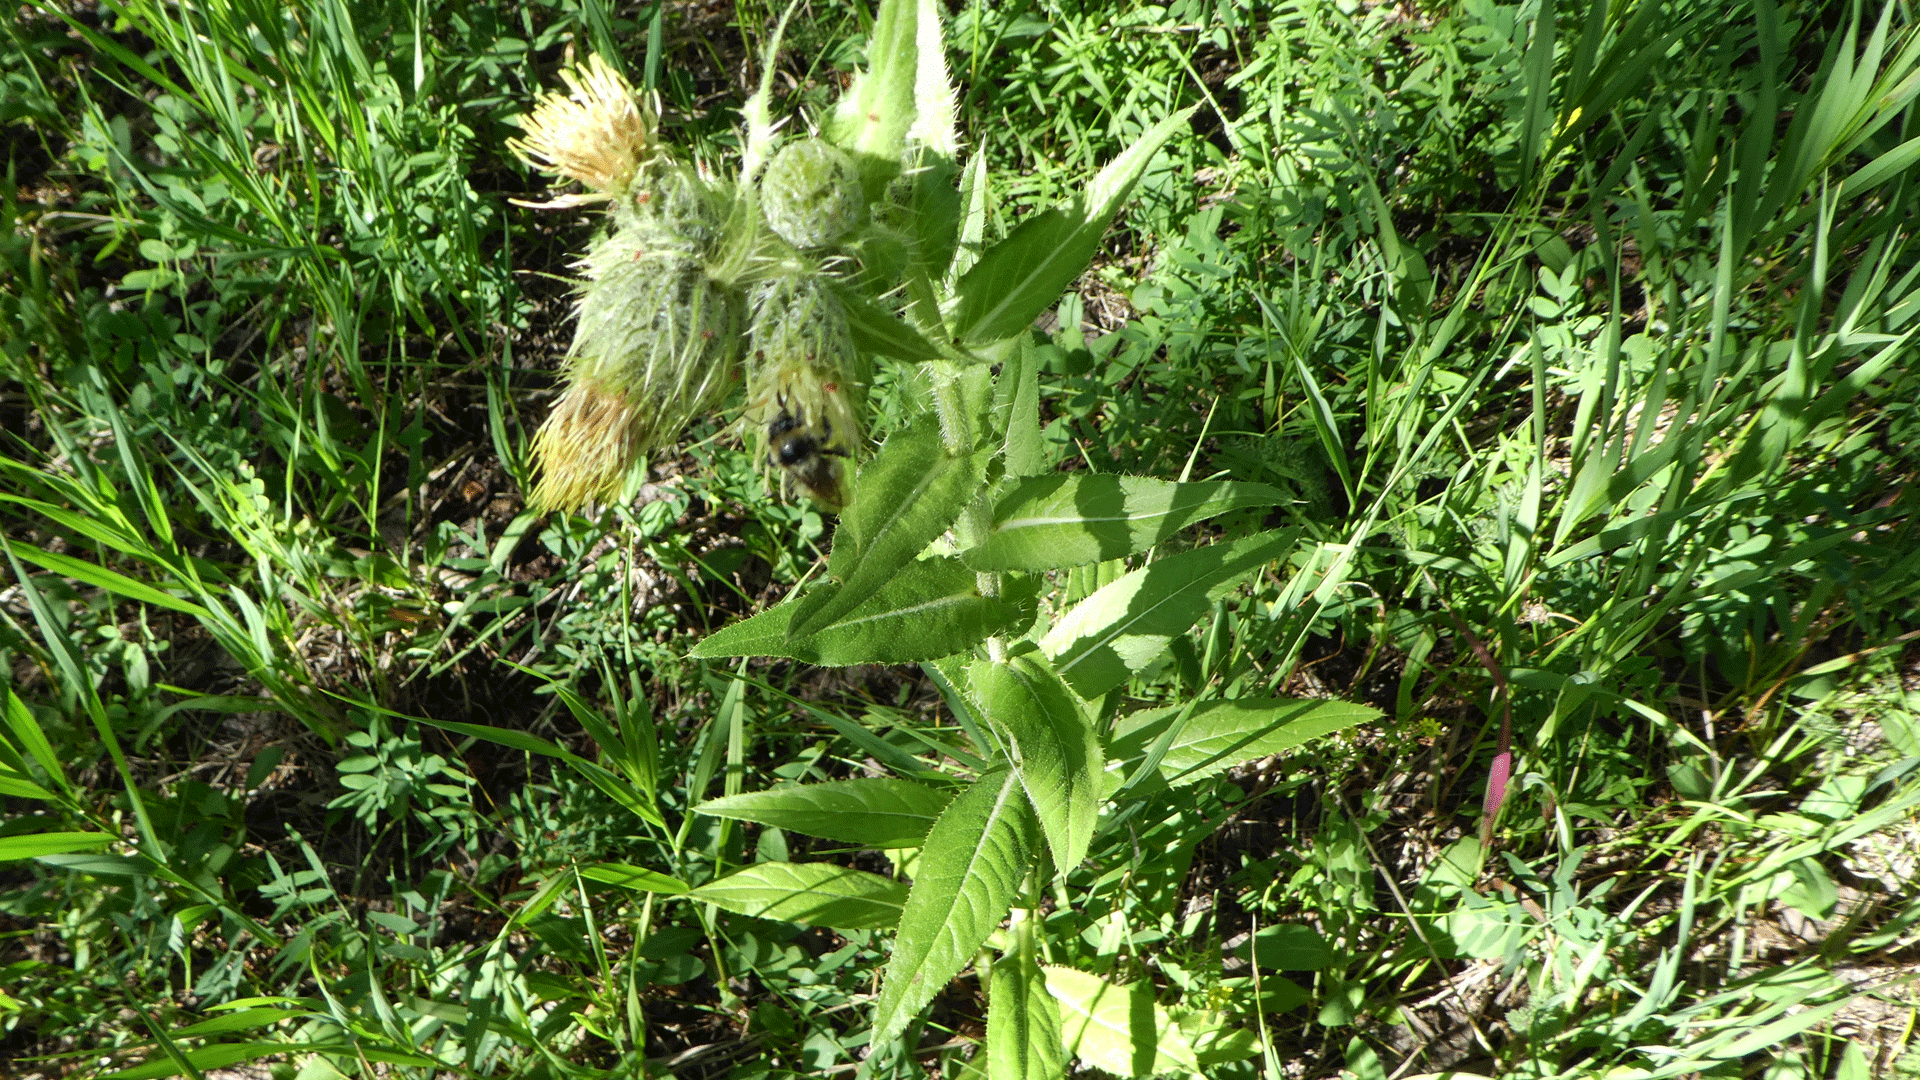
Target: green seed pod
x: 806, y: 386
x: 811, y: 194
x: 656, y: 345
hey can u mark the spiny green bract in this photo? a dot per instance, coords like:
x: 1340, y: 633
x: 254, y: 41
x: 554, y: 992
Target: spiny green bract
x: 657, y: 344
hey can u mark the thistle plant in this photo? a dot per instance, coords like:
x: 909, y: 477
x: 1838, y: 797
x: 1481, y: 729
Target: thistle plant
x: 858, y: 246
x: 661, y: 317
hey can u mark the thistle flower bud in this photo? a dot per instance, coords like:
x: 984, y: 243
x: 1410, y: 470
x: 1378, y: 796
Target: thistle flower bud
x: 811, y: 194
x: 806, y: 386
x: 657, y: 344
x: 674, y: 207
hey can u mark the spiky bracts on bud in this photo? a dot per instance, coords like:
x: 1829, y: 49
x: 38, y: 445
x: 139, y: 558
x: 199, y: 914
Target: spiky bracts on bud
x: 806, y: 386
x: 656, y: 345
x: 811, y: 194
x: 598, y: 132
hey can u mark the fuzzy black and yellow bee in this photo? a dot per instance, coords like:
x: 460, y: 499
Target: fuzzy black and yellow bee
x: 807, y: 455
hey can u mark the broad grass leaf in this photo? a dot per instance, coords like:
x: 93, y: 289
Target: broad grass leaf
x: 878, y: 812
x: 816, y: 894
x: 103, y: 578
x: 1127, y: 624
x: 104, y: 865
x: 904, y: 499
x: 1221, y: 734
x: 34, y: 845
x: 1118, y: 1028
x: 1023, y: 1023
x: 633, y: 749
x: 1055, y: 752
x: 970, y: 869
x: 223, y: 1055
x: 1054, y: 521
x: 929, y: 609
x: 242, y: 1020
x: 616, y: 787
x: 15, y: 785
x: 637, y: 878
x: 1016, y: 279
x: 28, y: 733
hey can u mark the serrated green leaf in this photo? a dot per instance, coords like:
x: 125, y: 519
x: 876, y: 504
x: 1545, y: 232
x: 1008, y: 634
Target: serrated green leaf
x: 904, y: 499
x: 930, y: 609
x: 816, y: 894
x: 1221, y: 734
x: 1023, y: 1023
x: 878, y: 812
x: 1018, y: 278
x: 933, y: 98
x: 970, y: 869
x: 1055, y: 752
x: 1054, y: 521
x: 1214, y: 1043
x: 973, y: 218
x: 1126, y: 625
x: 637, y: 878
x: 874, y: 114
x: 34, y: 845
x: 1118, y: 1028
x: 876, y: 331
x: 1026, y: 456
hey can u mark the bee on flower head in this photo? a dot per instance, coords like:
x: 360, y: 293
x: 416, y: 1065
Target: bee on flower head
x: 808, y: 454
x: 806, y: 386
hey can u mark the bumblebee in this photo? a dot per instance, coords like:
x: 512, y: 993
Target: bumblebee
x: 807, y: 455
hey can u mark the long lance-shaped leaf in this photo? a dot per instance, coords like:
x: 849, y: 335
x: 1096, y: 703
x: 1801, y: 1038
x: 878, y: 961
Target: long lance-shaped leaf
x: 873, y: 116
x: 637, y: 878
x: 904, y: 499
x: 34, y: 845
x: 817, y: 894
x: 1020, y: 276
x: 112, y: 581
x: 1049, y: 522
x: 932, y: 608
x: 1023, y: 1020
x: 1125, y: 626
x: 877, y: 812
x: 1055, y: 752
x: 970, y: 870
x: 1222, y: 734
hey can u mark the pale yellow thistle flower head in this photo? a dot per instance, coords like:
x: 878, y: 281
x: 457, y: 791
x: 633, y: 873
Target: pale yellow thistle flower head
x: 598, y: 131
